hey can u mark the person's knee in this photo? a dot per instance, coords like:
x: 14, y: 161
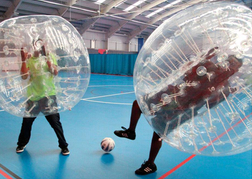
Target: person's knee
x: 155, y: 136
x: 135, y: 103
x: 156, y: 139
x: 54, y: 120
x: 136, y: 106
x: 28, y: 121
x: 55, y: 117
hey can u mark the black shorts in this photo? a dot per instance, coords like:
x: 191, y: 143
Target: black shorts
x: 46, y: 105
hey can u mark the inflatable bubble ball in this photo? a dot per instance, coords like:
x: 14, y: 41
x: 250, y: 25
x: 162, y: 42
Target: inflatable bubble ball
x: 192, y: 79
x: 44, y: 65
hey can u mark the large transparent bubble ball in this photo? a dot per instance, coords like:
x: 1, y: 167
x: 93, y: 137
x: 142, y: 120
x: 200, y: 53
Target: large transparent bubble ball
x: 192, y: 79
x: 61, y: 42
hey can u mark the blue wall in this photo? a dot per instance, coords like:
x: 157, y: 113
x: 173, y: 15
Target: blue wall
x: 117, y: 64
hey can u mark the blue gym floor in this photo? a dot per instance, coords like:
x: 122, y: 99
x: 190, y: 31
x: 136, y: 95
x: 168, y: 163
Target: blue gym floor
x: 105, y: 107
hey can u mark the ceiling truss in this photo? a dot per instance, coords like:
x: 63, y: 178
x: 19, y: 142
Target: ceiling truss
x: 107, y: 17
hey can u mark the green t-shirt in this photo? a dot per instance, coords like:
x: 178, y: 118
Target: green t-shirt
x: 41, y: 83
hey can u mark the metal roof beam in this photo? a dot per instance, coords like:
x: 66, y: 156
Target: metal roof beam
x: 114, y: 29
x: 12, y: 9
x: 136, y: 32
x: 173, y: 11
x: 106, y: 9
x: 87, y: 24
x: 145, y: 8
x: 69, y: 3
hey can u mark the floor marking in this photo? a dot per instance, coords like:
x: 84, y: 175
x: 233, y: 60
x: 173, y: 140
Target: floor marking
x: 177, y: 167
x: 129, y: 104
x: 108, y: 95
x: 5, y: 174
x: 9, y: 172
x: 192, y: 156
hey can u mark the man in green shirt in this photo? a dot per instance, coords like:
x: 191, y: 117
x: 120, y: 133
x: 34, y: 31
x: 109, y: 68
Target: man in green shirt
x: 41, y: 94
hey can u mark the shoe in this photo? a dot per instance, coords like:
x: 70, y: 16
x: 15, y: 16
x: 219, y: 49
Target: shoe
x: 20, y: 149
x: 126, y: 133
x: 146, y: 168
x: 65, y: 151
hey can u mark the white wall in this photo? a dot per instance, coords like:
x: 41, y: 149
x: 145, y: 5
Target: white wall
x: 97, y: 40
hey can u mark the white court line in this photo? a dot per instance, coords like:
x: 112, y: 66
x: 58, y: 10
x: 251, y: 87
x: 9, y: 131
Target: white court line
x: 108, y: 95
x: 88, y: 99
x: 129, y: 104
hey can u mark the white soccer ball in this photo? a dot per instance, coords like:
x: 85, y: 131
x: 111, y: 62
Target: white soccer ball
x: 107, y: 144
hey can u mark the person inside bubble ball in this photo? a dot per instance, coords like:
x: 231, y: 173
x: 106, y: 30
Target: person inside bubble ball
x: 205, y: 84
x: 214, y: 90
x: 41, y: 94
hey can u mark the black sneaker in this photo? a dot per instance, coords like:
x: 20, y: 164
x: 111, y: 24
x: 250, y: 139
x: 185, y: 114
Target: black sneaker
x: 20, y: 149
x: 146, y: 168
x: 65, y: 151
x: 126, y: 133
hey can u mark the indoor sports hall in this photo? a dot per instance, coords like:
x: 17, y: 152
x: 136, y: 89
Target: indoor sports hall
x: 122, y: 62
x: 105, y: 107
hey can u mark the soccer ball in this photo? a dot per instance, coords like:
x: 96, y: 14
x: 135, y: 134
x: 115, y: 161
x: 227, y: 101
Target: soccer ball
x: 107, y: 144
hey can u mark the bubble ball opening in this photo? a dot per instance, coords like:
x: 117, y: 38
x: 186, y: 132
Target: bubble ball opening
x: 42, y: 42
x: 192, y: 79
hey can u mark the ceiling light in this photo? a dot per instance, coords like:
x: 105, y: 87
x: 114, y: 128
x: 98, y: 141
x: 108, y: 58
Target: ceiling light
x: 99, y: 1
x: 120, y: 3
x: 155, y: 12
x: 162, y: 8
x: 134, y: 5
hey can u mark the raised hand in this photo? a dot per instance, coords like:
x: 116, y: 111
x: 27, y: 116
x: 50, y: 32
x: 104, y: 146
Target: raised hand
x: 24, y: 69
x: 43, y: 52
x: 52, y: 68
x: 23, y: 54
x: 211, y: 53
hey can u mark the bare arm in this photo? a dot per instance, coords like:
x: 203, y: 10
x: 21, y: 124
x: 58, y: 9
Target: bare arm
x: 52, y: 68
x: 24, y: 70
